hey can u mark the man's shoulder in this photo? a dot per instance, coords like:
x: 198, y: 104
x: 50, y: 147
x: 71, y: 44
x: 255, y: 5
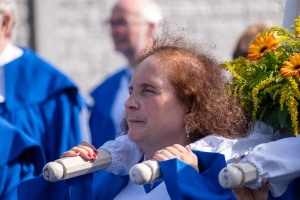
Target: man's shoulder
x: 33, y: 80
x: 109, y: 84
x: 114, y: 77
x: 30, y: 57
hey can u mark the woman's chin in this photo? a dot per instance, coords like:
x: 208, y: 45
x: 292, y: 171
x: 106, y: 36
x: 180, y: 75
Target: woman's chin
x: 134, y: 136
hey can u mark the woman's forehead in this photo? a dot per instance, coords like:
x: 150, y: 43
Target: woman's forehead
x: 152, y: 63
x: 150, y: 69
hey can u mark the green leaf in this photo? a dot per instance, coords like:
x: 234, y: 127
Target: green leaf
x: 279, y: 118
x: 259, y: 78
x: 281, y: 115
x: 270, y: 60
x: 266, y: 110
x: 274, y: 122
x: 289, y: 123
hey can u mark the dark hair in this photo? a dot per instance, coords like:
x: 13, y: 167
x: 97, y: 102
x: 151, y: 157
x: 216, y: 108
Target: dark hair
x: 198, y: 82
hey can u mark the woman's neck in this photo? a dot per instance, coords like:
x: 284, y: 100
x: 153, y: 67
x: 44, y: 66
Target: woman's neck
x: 150, y: 150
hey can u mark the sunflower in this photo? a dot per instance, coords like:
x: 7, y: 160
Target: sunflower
x: 267, y: 83
x: 291, y: 67
x: 260, y: 45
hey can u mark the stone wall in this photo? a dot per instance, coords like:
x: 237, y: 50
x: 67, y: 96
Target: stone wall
x: 22, y: 28
x: 71, y: 34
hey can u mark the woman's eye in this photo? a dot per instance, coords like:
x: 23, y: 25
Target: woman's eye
x: 148, y: 90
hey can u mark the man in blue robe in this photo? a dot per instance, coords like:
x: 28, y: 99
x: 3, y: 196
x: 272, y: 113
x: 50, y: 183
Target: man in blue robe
x: 20, y: 159
x: 35, y: 97
x: 131, y: 22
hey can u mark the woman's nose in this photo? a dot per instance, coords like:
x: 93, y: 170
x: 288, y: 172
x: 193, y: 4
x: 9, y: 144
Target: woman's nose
x: 131, y: 103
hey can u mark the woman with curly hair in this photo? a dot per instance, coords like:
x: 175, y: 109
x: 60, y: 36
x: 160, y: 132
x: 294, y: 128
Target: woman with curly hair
x: 177, y: 103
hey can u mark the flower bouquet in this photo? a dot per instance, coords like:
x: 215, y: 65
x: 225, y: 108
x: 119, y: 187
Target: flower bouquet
x: 267, y: 83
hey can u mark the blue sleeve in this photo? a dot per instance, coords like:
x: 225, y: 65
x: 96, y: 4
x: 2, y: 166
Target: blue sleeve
x: 54, y: 124
x: 42, y: 102
x: 77, y: 188
x: 12, y: 174
x: 184, y: 182
x: 39, y: 188
x: 21, y: 159
x: 62, y: 125
x: 102, y: 185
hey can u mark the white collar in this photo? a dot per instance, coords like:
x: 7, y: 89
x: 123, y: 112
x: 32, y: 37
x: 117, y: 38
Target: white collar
x: 234, y: 148
x: 10, y: 53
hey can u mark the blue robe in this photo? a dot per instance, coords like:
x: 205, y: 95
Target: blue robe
x: 101, y: 123
x: 19, y: 156
x: 182, y: 182
x: 43, y: 103
x: 291, y: 193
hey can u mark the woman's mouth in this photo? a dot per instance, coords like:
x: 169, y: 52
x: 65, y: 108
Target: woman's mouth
x: 134, y: 121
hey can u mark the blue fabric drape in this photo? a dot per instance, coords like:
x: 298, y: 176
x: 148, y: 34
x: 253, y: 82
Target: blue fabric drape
x: 43, y: 103
x: 190, y: 184
x: 20, y: 159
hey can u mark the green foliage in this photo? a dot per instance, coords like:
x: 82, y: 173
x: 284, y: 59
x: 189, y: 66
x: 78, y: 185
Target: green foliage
x: 259, y: 85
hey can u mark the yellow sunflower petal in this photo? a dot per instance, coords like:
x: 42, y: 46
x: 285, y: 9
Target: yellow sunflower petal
x: 295, y: 60
x: 291, y: 67
x: 260, y: 45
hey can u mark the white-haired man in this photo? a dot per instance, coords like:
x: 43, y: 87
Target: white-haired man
x: 36, y: 99
x: 132, y: 23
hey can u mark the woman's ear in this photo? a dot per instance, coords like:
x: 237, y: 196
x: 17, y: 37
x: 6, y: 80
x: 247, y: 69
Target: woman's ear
x: 188, y: 117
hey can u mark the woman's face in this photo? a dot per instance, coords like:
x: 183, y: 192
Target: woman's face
x: 153, y: 113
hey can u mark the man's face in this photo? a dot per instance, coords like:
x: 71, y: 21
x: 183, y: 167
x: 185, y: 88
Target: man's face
x: 129, y: 31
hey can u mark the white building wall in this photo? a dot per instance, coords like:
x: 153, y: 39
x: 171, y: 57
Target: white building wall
x: 71, y: 34
x: 22, y: 27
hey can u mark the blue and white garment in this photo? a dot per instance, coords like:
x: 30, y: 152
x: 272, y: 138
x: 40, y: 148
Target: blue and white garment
x: 279, y: 162
x: 121, y: 148
x: 181, y: 181
x: 108, y: 110
x: 41, y: 101
x: 264, y: 154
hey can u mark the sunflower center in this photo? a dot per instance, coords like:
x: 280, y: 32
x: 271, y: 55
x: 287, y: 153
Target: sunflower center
x: 297, y: 67
x: 263, y: 49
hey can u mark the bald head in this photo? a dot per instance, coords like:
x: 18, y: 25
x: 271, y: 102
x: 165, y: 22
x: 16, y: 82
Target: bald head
x: 149, y: 10
x: 132, y: 23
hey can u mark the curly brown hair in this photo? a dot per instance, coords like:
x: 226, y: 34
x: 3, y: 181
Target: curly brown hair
x: 198, y: 82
